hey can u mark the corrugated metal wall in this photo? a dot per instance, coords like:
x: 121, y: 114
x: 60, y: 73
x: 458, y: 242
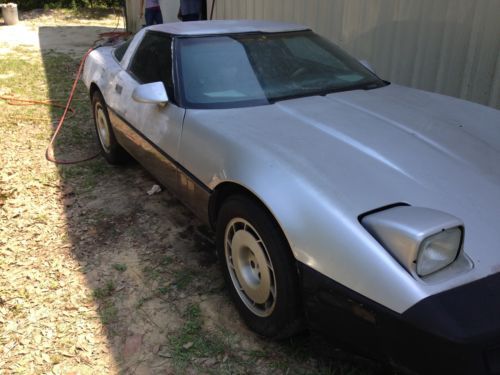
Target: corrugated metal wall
x: 447, y: 46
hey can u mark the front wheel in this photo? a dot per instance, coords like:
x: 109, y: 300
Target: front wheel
x: 258, y: 267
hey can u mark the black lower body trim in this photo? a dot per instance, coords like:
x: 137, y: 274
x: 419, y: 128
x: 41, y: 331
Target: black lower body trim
x: 171, y: 174
x: 439, y: 335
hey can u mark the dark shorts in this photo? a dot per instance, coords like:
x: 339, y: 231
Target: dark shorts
x: 153, y: 16
x: 191, y: 17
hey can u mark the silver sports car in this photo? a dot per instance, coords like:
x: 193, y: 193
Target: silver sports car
x: 340, y: 201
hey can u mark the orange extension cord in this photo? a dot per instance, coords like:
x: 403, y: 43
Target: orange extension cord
x: 49, y: 153
x: 24, y: 102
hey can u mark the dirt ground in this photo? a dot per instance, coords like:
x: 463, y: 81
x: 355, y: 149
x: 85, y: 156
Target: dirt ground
x: 97, y: 276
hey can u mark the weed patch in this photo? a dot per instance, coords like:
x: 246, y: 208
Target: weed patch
x: 105, y: 292
x: 194, y: 342
x: 108, y: 313
x: 120, y: 267
x: 183, y: 278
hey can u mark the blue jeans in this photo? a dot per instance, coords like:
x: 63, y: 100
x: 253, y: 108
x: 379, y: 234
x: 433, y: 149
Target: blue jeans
x: 153, y: 16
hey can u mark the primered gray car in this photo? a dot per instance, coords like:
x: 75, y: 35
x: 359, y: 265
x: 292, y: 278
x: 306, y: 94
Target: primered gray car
x: 340, y: 201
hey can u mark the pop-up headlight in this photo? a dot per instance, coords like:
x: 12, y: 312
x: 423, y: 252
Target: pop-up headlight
x: 423, y: 240
x: 438, y: 251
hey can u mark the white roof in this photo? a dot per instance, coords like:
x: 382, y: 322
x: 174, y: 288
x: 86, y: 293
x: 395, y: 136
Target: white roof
x: 225, y: 27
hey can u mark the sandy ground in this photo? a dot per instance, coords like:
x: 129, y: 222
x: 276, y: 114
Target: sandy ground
x: 55, y: 31
x: 97, y: 276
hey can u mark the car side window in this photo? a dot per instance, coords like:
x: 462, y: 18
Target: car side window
x: 121, y: 49
x: 152, y: 61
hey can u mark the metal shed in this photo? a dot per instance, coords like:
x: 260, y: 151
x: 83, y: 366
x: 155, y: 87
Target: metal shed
x: 446, y: 46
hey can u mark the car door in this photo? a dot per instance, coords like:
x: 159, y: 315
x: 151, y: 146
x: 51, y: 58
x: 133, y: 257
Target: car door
x: 151, y: 132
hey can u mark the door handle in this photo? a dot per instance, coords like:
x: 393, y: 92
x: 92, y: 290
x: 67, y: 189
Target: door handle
x: 118, y: 89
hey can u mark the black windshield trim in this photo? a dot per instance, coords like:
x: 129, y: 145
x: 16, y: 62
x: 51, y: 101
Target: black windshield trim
x: 267, y: 101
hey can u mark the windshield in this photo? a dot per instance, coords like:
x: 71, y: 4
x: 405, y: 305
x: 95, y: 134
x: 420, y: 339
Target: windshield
x: 252, y: 69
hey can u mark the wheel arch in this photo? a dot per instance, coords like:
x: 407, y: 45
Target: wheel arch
x: 93, y: 88
x: 227, y: 189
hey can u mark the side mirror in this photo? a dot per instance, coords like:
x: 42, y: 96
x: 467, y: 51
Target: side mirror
x: 153, y: 93
x: 367, y: 65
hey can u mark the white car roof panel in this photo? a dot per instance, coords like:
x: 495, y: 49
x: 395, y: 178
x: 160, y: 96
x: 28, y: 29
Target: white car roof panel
x: 194, y: 28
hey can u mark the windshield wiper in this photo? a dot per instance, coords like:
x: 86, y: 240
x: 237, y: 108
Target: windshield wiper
x: 374, y: 85
x: 311, y: 92
x: 359, y: 86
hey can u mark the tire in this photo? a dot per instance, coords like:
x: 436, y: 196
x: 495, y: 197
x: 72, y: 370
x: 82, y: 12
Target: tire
x: 110, y: 149
x: 258, y: 267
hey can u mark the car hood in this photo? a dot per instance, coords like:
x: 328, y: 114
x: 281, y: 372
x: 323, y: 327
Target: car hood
x: 395, y: 143
x: 367, y: 149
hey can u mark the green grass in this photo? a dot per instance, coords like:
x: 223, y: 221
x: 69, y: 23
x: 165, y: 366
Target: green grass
x: 108, y: 313
x: 87, y: 175
x: 166, y: 261
x: 182, y: 279
x: 163, y: 290
x: 28, y: 75
x: 107, y: 310
x: 25, y: 75
x: 151, y: 272
x: 105, y: 291
x: 143, y: 300
x: 192, y: 341
x: 120, y: 267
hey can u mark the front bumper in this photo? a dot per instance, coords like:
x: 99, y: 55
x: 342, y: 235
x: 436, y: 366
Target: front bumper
x: 453, y: 332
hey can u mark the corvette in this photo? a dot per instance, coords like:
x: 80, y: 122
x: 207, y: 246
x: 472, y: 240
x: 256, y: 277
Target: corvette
x: 340, y: 201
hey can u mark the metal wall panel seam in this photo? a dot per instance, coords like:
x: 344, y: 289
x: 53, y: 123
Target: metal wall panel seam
x: 471, y: 52
x: 495, y: 91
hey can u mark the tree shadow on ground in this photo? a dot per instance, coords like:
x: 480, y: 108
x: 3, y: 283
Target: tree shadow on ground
x: 150, y: 264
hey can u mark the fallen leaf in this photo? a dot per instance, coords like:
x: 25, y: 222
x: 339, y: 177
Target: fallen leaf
x: 188, y: 345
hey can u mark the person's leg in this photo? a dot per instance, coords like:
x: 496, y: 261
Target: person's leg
x: 158, y: 16
x: 149, y: 16
x: 191, y: 17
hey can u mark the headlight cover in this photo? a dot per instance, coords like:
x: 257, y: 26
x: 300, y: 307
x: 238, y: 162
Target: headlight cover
x: 438, y: 251
x: 422, y: 240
